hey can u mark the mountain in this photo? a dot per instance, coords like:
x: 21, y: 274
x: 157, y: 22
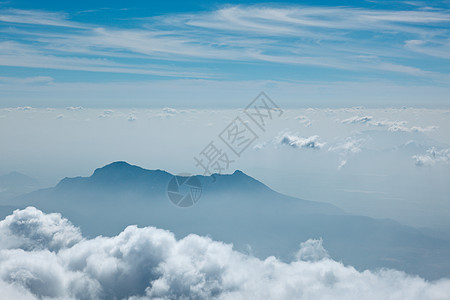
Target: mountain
x: 236, y: 208
x: 15, y: 184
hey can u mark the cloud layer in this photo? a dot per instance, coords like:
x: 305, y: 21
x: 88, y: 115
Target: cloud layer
x: 43, y: 255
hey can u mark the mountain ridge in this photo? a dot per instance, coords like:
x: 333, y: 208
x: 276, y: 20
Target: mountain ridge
x: 238, y: 209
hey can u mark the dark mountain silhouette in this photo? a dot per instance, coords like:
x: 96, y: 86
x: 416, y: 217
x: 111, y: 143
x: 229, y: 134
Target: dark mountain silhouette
x: 238, y: 209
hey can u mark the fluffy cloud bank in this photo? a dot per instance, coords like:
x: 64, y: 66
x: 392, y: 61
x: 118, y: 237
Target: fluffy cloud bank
x: 44, y: 256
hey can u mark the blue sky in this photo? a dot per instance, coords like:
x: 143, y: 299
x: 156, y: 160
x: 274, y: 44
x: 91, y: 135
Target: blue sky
x: 218, y: 54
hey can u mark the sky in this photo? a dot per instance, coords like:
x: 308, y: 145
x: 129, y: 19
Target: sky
x: 219, y: 54
x: 365, y: 86
x: 362, y: 90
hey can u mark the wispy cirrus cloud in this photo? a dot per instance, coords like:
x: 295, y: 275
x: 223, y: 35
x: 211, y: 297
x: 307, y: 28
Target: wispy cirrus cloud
x: 37, y: 17
x: 432, y: 48
x: 26, y: 80
x: 353, y: 39
x: 15, y: 54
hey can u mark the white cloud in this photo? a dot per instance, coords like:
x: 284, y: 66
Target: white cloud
x: 149, y: 263
x: 24, y: 108
x: 346, y: 148
x: 398, y: 127
x: 432, y: 157
x: 106, y: 113
x: 437, y: 49
x: 14, y: 291
x: 422, y: 129
x: 350, y: 145
x: 304, y: 120
x: 357, y: 120
x: 27, y: 80
x: 392, y: 126
x: 36, y: 17
x: 75, y: 108
x: 312, y: 250
x: 170, y: 110
x: 342, y: 163
x: 259, y: 146
x: 13, y: 53
x: 295, y: 141
x: 264, y: 33
x: 31, y: 229
x: 387, y: 123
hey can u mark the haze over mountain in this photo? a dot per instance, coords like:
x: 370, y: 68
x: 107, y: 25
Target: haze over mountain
x: 238, y: 209
x: 14, y: 184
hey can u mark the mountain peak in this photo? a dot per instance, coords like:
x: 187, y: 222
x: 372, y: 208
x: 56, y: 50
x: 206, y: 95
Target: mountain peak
x: 117, y: 165
x: 16, y: 178
x: 122, y: 175
x: 116, y: 168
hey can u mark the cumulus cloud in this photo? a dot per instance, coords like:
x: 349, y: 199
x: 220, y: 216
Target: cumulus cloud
x: 432, y: 157
x: 31, y: 229
x: 295, y: 141
x: 51, y: 261
x: 285, y: 137
x: 312, y: 250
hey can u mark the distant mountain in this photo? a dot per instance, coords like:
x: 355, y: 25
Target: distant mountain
x: 15, y: 184
x: 238, y: 209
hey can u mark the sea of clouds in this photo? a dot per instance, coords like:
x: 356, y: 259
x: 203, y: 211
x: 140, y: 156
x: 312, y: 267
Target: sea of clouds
x: 43, y: 256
